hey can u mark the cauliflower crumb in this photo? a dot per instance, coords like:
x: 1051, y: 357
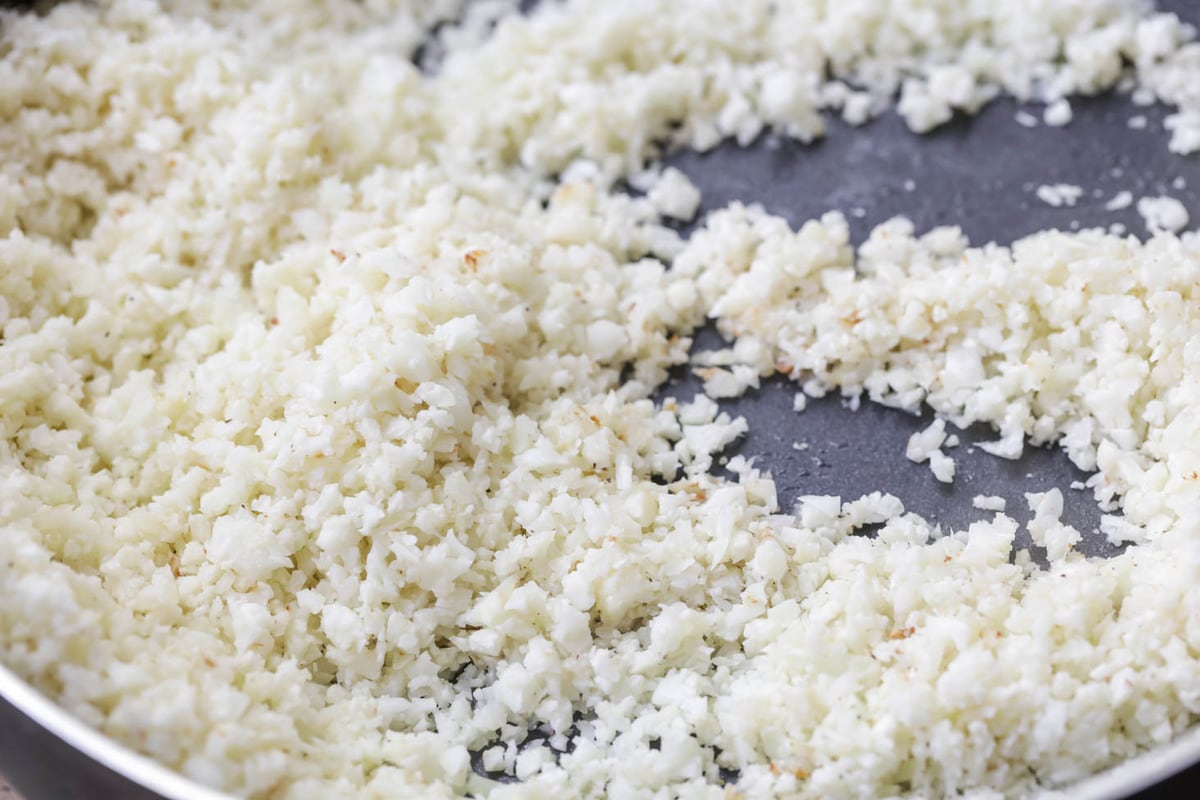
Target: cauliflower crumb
x: 989, y: 502
x: 1121, y: 200
x: 1046, y: 529
x: 673, y: 195
x: 1059, y: 194
x: 942, y: 466
x: 1163, y: 214
x: 733, y: 382
x: 925, y: 442
x: 1058, y: 113
x: 1025, y: 119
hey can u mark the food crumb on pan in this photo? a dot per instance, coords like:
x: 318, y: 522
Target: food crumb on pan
x: 1059, y: 194
x: 1058, y: 113
x: 1119, y: 201
x: 986, y: 502
x: 1163, y: 214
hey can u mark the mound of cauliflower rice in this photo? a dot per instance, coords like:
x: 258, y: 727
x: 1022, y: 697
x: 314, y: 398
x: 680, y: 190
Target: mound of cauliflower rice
x: 330, y: 459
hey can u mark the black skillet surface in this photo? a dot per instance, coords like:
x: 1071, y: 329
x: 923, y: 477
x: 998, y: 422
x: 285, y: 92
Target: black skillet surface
x: 982, y: 174
x: 979, y: 173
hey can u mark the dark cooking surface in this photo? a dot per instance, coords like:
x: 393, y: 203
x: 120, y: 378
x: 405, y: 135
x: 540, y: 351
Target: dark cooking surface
x: 981, y: 174
x: 978, y: 173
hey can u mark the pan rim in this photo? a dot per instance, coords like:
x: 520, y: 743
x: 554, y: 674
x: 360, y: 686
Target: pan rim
x: 99, y: 747
x: 1117, y: 782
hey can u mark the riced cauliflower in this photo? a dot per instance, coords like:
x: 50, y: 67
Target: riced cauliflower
x: 331, y: 461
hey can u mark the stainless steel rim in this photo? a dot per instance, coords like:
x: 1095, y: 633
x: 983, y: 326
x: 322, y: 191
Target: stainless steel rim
x: 97, y: 746
x: 1119, y: 782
